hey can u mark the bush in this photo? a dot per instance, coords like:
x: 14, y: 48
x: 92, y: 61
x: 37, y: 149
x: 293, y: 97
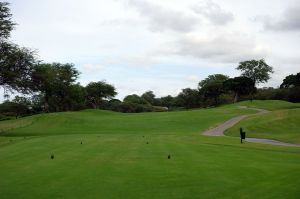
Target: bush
x: 127, y: 107
x: 294, y: 94
x: 8, y: 108
x: 287, y: 94
x: 6, y: 116
x: 226, y: 99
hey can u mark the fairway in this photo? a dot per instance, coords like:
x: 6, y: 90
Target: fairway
x: 107, y: 122
x: 125, y: 156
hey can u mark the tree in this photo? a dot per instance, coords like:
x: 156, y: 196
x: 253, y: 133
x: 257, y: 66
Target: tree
x: 74, y: 98
x: 291, y: 81
x: 53, y: 81
x: 167, y: 101
x: 6, y: 24
x: 114, y: 105
x: 13, y: 109
x: 23, y: 105
x: 212, y: 87
x: 37, y: 103
x: 240, y: 86
x: 189, y: 98
x: 16, y: 66
x: 98, y: 91
x: 15, y: 63
x: 257, y: 70
x: 149, y: 97
x: 22, y: 100
x: 135, y: 99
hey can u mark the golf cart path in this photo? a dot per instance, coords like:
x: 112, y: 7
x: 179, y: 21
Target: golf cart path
x: 219, y: 130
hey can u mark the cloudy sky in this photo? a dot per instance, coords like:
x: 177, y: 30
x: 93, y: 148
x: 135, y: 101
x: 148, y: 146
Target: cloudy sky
x: 164, y: 46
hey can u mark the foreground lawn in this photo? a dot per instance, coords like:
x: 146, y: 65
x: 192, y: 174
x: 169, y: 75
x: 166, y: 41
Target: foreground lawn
x: 282, y: 125
x: 102, y: 154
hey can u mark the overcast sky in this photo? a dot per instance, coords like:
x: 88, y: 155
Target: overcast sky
x: 160, y: 45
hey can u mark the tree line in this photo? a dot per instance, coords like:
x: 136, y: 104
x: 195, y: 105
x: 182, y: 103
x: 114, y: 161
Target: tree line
x: 53, y: 87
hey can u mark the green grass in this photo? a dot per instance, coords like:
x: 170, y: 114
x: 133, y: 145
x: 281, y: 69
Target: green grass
x: 282, y: 125
x: 124, y: 166
x: 270, y: 104
x: 105, y: 122
x: 115, y: 160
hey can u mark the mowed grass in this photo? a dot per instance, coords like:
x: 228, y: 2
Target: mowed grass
x: 106, y: 122
x: 269, y: 104
x: 125, y: 166
x: 282, y: 125
x: 125, y: 156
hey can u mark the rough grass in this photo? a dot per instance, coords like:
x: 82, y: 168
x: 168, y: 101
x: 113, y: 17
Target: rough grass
x: 115, y: 161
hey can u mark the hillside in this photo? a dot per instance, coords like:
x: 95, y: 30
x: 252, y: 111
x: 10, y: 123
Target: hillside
x: 106, y: 122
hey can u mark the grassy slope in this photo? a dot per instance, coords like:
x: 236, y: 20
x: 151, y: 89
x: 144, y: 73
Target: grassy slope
x: 114, y: 160
x: 282, y: 125
x: 99, y: 122
x: 270, y: 104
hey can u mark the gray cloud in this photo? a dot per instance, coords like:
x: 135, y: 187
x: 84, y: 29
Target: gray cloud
x: 290, y: 20
x: 162, y: 19
x: 213, y: 12
x: 224, y: 48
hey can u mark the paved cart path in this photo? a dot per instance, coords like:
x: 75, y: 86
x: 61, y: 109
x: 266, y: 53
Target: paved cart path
x: 219, y: 130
